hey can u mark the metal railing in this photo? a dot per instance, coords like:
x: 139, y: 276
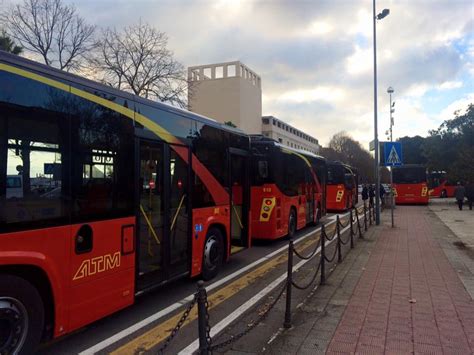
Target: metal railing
x: 319, y: 252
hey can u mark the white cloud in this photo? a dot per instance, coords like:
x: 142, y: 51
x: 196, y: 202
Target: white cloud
x: 417, y: 90
x: 448, y: 85
x: 457, y: 105
x: 360, y: 61
x: 328, y: 94
x: 315, y: 58
x: 318, y: 28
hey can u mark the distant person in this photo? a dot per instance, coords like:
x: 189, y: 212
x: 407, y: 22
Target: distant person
x: 459, y: 194
x: 382, y: 194
x: 470, y: 194
x: 371, y: 195
x: 365, y: 193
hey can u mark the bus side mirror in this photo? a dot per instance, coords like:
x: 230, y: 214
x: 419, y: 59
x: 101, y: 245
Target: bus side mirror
x: 263, y: 169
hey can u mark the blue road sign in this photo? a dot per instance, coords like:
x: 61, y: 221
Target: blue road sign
x: 393, y: 154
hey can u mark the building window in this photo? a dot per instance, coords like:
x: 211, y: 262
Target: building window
x: 274, y: 122
x: 265, y: 120
x: 279, y: 125
x: 280, y: 140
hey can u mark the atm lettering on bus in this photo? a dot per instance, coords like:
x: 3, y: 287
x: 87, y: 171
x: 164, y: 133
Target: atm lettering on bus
x: 96, y: 265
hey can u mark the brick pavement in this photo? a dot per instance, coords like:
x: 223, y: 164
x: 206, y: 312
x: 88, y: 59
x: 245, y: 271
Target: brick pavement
x: 409, y: 298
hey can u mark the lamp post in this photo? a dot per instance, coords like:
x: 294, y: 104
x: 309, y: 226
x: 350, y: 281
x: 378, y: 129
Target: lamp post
x: 380, y: 16
x: 392, y: 110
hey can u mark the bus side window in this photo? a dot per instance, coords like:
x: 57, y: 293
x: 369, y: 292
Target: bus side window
x: 102, y: 146
x: 34, y: 155
x: 263, y: 169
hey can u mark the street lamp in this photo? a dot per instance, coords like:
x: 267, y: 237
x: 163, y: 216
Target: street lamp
x: 380, y: 16
x: 392, y: 110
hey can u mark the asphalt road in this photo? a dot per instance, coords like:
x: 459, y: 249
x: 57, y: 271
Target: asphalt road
x: 141, y: 327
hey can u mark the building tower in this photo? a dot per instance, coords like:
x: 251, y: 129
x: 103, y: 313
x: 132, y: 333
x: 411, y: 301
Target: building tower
x: 227, y: 92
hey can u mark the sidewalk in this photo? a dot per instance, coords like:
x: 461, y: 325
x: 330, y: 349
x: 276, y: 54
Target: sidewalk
x: 405, y: 296
x: 410, y: 297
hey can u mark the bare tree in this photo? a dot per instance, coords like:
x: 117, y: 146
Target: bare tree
x: 136, y: 59
x: 51, y: 29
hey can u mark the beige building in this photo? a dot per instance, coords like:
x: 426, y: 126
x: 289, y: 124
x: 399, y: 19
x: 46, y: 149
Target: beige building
x: 290, y: 136
x: 231, y: 92
x: 227, y: 92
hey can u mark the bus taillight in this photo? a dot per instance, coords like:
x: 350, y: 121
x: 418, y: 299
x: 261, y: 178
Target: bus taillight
x: 268, y: 204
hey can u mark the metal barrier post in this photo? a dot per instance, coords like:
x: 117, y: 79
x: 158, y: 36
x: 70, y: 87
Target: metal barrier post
x: 361, y: 236
x: 289, y: 281
x: 365, y: 217
x: 352, y: 229
x: 323, y: 254
x: 202, y: 319
x: 370, y: 215
x: 338, y: 246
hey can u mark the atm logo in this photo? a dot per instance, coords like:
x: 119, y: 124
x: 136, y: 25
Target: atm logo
x: 97, y: 265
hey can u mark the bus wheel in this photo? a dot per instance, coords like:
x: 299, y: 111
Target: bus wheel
x: 21, y: 316
x: 444, y: 194
x: 292, y: 223
x: 213, y: 254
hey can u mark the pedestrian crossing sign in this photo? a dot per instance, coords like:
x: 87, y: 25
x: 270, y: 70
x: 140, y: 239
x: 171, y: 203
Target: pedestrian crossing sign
x: 392, y: 153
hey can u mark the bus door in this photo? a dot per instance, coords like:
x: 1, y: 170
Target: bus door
x: 163, y: 245
x: 240, y: 196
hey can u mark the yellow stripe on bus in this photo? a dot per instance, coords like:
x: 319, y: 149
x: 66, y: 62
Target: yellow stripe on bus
x: 148, y: 123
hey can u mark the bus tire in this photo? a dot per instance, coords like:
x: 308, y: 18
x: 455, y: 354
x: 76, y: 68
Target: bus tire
x: 22, y: 311
x: 213, y: 255
x: 292, y: 223
x: 444, y: 194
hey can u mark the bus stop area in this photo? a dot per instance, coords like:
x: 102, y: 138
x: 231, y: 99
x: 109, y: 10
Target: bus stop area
x: 407, y: 289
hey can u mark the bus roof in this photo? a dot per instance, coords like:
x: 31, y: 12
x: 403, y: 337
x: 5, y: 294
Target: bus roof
x: 61, y: 74
x: 258, y: 138
x: 340, y: 163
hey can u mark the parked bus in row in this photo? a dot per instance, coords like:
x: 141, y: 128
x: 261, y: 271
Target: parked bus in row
x: 288, y: 189
x: 140, y: 193
x: 410, y: 184
x: 439, y: 185
x: 341, y: 187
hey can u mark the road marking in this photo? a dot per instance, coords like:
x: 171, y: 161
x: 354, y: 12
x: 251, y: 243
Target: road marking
x: 216, y: 329
x: 154, y: 317
x: 157, y: 334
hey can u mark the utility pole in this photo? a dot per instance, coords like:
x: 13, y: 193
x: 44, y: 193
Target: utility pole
x: 390, y: 91
x: 380, y: 16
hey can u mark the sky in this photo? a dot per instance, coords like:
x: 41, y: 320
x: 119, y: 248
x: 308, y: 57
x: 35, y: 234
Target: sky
x: 315, y: 58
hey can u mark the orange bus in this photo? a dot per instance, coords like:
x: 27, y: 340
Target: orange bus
x: 288, y: 189
x: 104, y: 196
x: 410, y: 184
x: 341, y: 186
x: 439, y: 185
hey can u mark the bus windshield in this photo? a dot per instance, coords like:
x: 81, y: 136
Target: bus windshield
x: 409, y: 175
x: 335, y: 174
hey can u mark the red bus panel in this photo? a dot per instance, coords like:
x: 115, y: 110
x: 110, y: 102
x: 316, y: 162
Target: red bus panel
x: 411, y: 193
x: 86, y: 286
x: 270, y: 211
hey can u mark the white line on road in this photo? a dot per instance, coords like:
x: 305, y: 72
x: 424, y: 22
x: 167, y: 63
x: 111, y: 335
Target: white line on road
x: 216, y: 329
x: 154, y: 317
